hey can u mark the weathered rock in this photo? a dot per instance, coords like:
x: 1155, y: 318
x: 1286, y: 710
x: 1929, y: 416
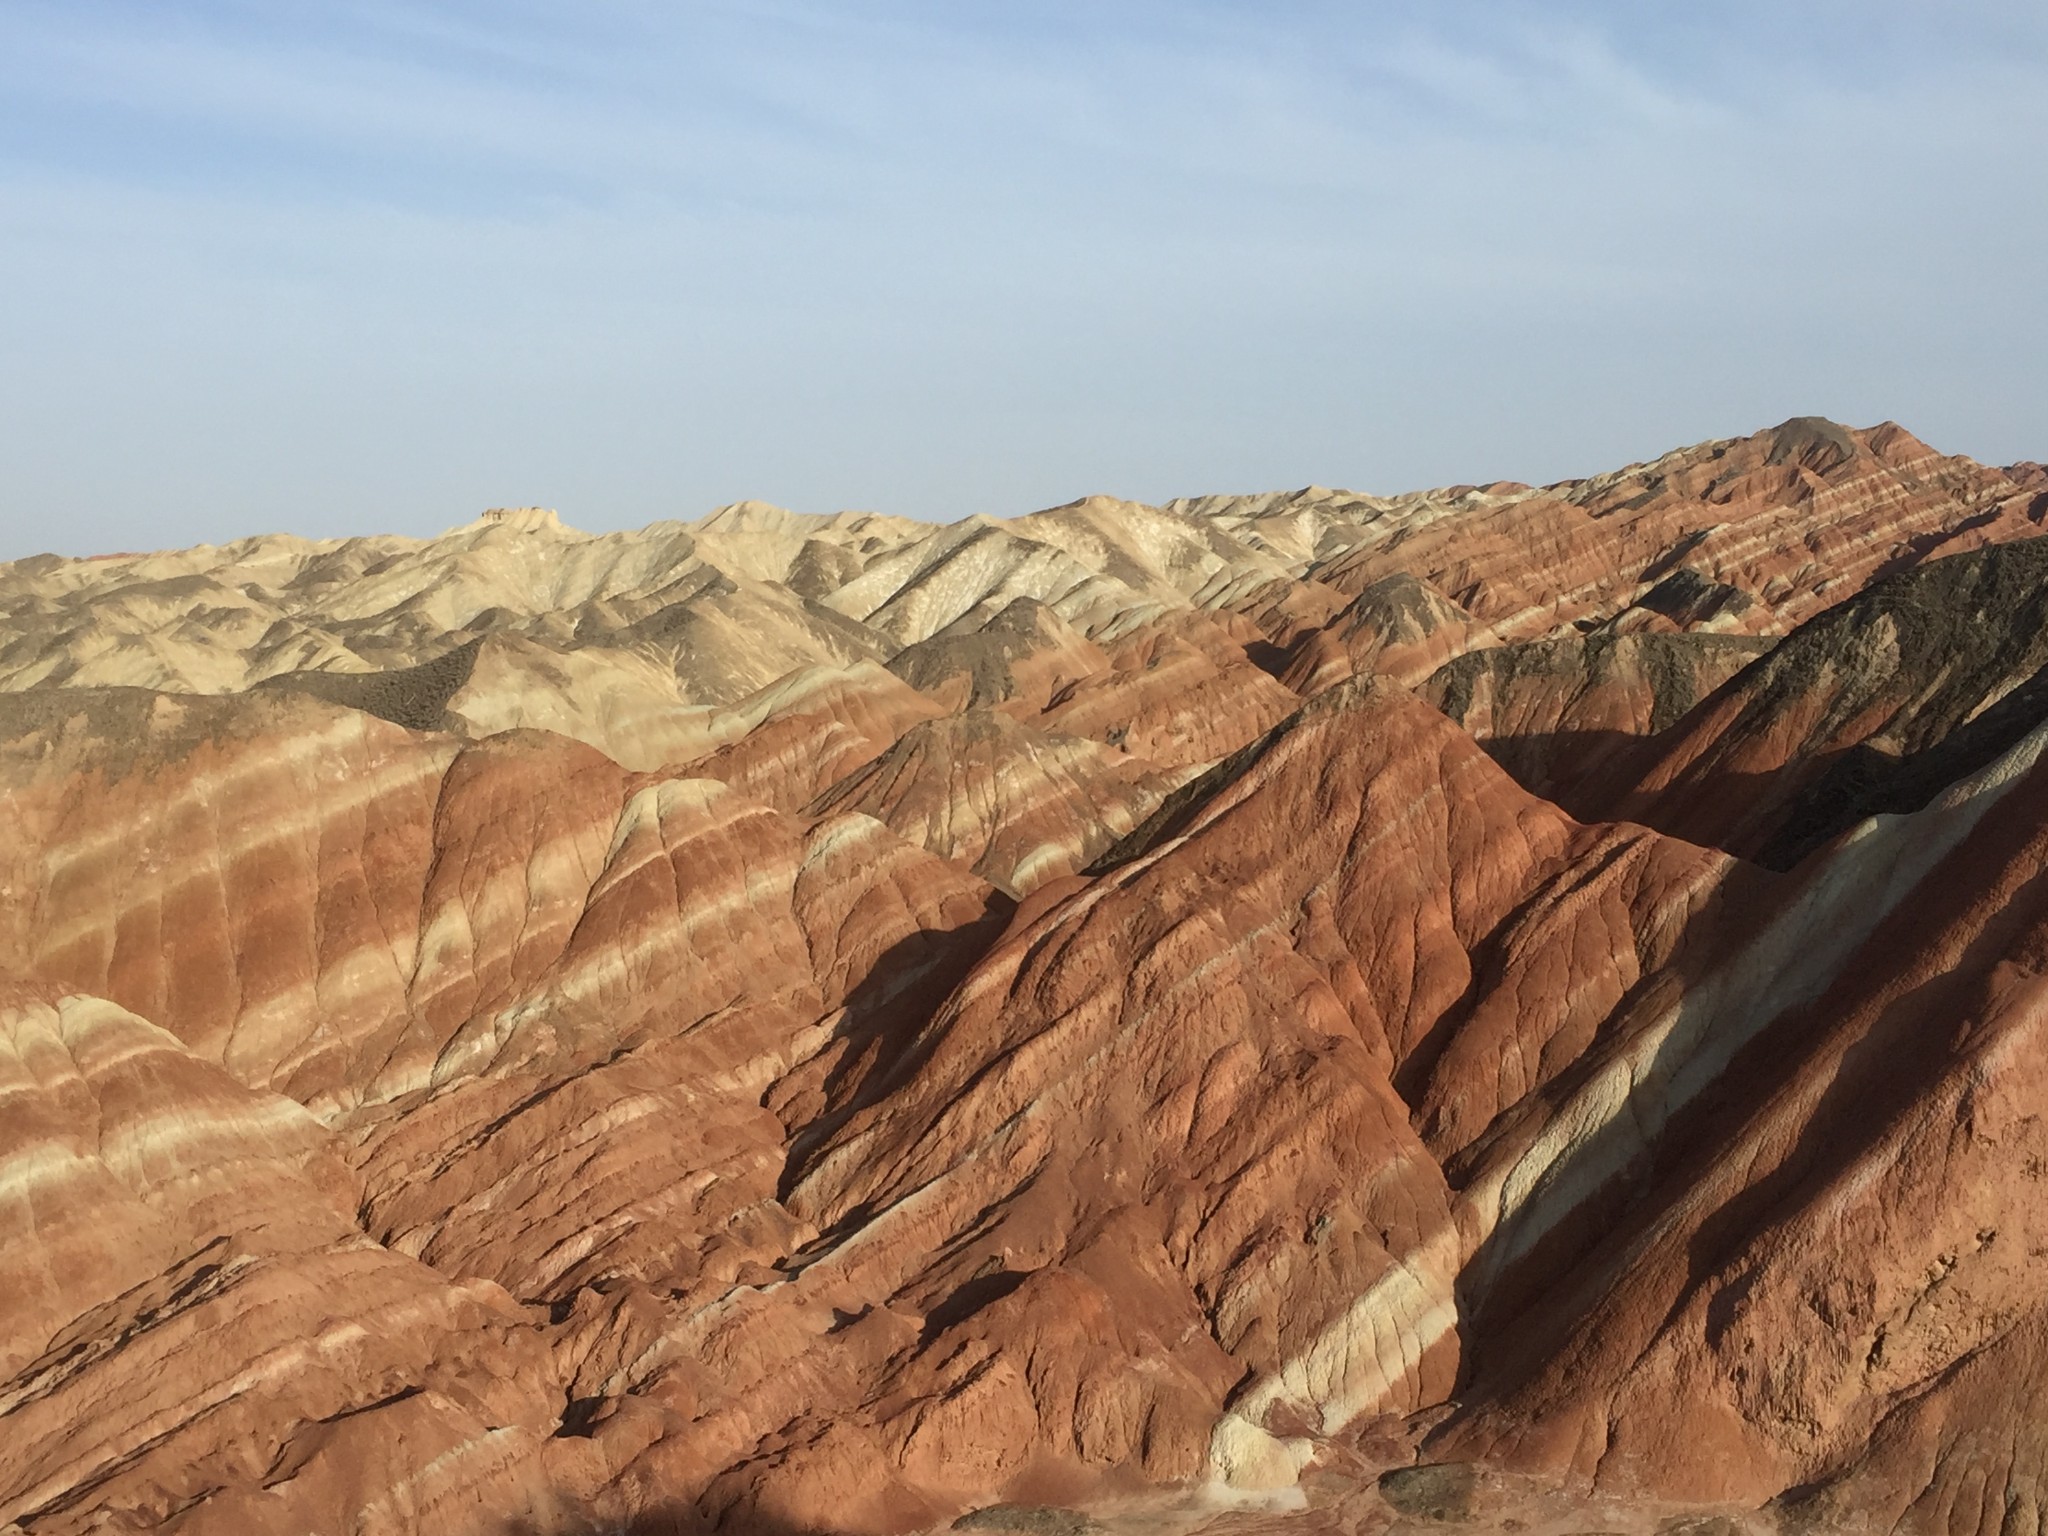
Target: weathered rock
x: 193, y: 1313
x: 1777, y: 527
x: 1016, y: 660
x: 1821, y: 1275
x: 1027, y: 1519
x: 1559, y: 714
x: 833, y: 1023
x: 1440, y: 1491
x: 1016, y: 805
x: 1191, y: 1064
x: 1179, y: 692
x: 800, y: 735
x: 1398, y: 627
x: 1871, y: 707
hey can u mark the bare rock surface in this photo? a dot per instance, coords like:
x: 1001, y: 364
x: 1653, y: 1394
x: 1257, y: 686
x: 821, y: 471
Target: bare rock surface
x: 1497, y: 1009
x: 1871, y: 707
x: 1015, y: 804
x: 1565, y: 713
x: 1788, y: 521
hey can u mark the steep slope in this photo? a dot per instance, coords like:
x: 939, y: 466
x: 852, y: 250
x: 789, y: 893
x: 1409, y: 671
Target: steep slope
x: 1180, y: 692
x: 1398, y: 627
x: 800, y: 735
x: 507, y: 979
x: 1872, y: 706
x: 1791, y: 520
x: 1559, y: 714
x: 568, y: 1042
x: 1016, y: 660
x: 1155, y: 550
x: 1014, y: 804
x: 196, y: 1329
x: 1823, y: 1285
x: 972, y: 570
x: 1169, y: 1096
x: 794, y: 1024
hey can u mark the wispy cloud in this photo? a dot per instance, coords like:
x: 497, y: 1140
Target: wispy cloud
x: 378, y: 263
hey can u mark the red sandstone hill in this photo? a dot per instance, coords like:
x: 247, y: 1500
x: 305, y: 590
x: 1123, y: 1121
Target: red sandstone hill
x: 1498, y: 1008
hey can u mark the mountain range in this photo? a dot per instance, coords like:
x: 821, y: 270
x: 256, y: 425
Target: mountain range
x: 1502, y: 1008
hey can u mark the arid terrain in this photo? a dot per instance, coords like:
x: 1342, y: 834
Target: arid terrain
x: 1502, y: 1008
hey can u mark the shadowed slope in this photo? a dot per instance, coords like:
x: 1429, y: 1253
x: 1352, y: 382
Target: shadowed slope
x: 1834, y: 1249
x: 564, y: 1053
x: 1872, y: 706
x: 1560, y: 714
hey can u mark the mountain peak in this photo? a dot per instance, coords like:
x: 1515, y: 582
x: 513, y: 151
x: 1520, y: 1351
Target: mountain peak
x: 544, y: 521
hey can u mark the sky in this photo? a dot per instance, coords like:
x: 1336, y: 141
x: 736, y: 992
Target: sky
x: 373, y: 267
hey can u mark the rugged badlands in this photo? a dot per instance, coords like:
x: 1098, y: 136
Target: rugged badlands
x: 1504, y: 1007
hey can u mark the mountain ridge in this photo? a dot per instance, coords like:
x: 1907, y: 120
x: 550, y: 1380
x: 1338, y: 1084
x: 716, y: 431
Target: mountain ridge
x: 1509, y: 1007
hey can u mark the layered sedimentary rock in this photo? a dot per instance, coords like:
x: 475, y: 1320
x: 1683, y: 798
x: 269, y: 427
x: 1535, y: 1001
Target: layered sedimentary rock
x: 1181, y: 692
x: 1016, y: 660
x: 1827, y: 1292
x: 1399, y: 626
x: 1014, y: 804
x: 1871, y: 707
x: 1558, y: 714
x: 1787, y: 522
x: 532, y: 1002
x: 1750, y: 535
x: 1201, y: 1048
x: 797, y: 1023
x: 201, y: 1335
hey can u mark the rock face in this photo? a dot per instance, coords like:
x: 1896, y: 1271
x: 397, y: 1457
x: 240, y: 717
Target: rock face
x: 1560, y: 714
x: 1872, y: 707
x: 1760, y: 532
x: 1017, y: 806
x: 790, y: 1024
x: 1825, y: 1289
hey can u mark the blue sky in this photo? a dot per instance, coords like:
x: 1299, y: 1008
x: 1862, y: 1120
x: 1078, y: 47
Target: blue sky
x: 367, y: 266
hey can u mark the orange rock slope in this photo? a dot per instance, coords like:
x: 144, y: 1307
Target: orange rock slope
x: 1163, y: 1016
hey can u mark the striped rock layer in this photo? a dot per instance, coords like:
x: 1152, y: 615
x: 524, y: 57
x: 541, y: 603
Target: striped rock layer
x: 788, y: 1024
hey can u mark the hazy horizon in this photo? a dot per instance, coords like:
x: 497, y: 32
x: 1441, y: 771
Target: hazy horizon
x: 376, y: 269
